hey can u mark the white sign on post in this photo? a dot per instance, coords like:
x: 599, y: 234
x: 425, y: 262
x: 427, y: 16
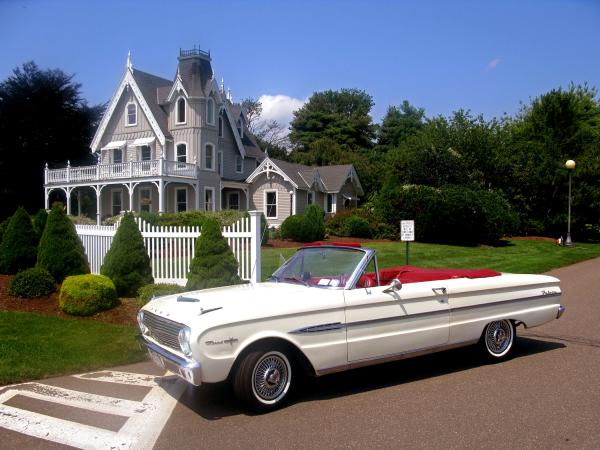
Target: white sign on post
x: 407, y: 230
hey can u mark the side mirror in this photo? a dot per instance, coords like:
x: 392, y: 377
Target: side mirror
x: 395, y: 286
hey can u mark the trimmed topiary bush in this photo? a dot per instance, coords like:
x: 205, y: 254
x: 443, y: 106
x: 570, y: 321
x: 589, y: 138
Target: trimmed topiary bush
x: 316, y: 217
x: 297, y: 228
x: 3, y: 227
x: 60, y: 251
x: 214, y: 264
x: 146, y: 293
x: 32, y: 282
x: 19, y: 244
x: 127, y: 262
x: 84, y: 295
x: 39, y: 222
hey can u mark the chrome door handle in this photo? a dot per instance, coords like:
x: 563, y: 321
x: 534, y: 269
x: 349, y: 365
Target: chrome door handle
x: 440, y: 289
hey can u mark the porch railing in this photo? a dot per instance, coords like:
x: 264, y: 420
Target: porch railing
x: 131, y: 169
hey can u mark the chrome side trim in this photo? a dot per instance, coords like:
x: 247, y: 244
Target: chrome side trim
x: 393, y: 357
x: 319, y: 328
x: 503, y: 302
x: 189, y: 370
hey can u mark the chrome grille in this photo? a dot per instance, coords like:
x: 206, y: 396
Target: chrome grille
x: 163, y: 330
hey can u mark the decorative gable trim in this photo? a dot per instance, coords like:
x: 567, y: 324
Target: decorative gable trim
x: 128, y: 80
x: 267, y: 167
x: 237, y: 137
x: 177, y: 88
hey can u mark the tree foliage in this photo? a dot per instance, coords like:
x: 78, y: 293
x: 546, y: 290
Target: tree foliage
x: 43, y: 118
x: 399, y: 123
x: 214, y: 264
x: 127, y: 262
x: 60, y: 251
x: 18, y: 250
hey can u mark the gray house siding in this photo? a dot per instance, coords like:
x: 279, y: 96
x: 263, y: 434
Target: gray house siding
x: 258, y: 191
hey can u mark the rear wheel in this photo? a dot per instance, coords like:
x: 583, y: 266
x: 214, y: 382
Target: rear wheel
x: 263, y: 379
x: 498, y: 339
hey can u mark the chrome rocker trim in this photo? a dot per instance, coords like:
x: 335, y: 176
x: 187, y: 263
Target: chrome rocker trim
x: 190, y: 370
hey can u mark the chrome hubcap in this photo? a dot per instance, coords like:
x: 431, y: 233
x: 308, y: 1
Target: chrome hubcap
x: 271, y: 376
x: 498, y: 336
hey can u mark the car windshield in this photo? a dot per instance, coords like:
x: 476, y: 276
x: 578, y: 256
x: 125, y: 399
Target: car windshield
x: 319, y: 266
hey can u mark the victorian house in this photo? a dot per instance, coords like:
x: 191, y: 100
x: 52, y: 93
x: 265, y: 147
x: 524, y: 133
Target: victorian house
x: 176, y: 145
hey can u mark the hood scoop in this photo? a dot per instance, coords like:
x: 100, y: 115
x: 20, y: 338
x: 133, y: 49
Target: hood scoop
x: 182, y: 298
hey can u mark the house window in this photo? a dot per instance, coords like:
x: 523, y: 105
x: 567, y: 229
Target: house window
x: 209, y: 156
x: 209, y: 199
x: 220, y: 127
x: 180, y: 110
x: 131, y: 114
x: 145, y: 153
x: 310, y: 198
x: 117, y: 202
x: 233, y: 200
x: 330, y: 206
x: 220, y: 162
x: 180, y: 199
x: 239, y: 164
x: 271, y: 204
x: 145, y: 199
x: 117, y: 156
x: 210, y: 111
x: 181, y: 155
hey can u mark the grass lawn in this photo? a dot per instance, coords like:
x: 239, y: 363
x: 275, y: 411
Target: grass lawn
x: 35, y: 346
x: 518, y: 256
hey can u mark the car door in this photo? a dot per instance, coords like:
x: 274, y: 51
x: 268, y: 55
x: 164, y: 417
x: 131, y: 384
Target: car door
x: 382, y: 322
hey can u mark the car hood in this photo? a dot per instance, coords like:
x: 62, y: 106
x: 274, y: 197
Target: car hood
x: 240, y: 302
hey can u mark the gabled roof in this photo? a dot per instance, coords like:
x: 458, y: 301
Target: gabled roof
x: 326, y: 178
x: 150, y: 85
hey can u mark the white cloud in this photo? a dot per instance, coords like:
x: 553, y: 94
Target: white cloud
x: 493, y: 63
x: 280, y: 108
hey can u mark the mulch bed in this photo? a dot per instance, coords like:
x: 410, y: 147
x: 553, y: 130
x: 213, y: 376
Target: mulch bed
x: 124, y: 314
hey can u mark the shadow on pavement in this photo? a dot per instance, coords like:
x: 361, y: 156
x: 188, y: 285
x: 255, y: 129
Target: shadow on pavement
x: 213, y: 402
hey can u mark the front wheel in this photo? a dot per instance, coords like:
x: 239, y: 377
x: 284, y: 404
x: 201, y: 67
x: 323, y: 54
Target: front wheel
x: 263, y: 379
x: 498, y: 339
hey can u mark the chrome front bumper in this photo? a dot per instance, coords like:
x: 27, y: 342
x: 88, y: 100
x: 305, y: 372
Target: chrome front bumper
x: 561, y: 310
x: 188, y: 370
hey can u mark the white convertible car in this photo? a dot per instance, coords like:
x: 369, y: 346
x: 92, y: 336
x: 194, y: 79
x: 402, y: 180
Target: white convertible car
x: 331, y: 308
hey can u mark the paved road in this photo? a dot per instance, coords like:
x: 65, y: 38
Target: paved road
x: 547, y: 396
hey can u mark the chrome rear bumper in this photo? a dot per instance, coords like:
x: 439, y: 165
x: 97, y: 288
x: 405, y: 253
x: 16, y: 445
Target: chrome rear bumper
x: 190, y: 370
x: 561, y: 310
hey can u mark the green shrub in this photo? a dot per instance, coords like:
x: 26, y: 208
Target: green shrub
x: 146, y: 293
x: 3, y: 227
x: 39, y: 222
x: 214, y: 263
x: 316, y: 218
x: 127, y: 262
x: 82, y: 220
x: 296, y: 228
x: 450, y: 215
x: 60, y: 251
x: 32, y: 282
x: 193, y: 218
x: 355, y: 226
x: 19, y: 244
x: 84, y: 295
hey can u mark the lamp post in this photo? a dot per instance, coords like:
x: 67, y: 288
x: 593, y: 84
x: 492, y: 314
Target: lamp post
x: 570, y: 166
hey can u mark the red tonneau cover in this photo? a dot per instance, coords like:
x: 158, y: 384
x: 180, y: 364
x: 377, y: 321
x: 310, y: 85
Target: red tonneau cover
x: 410, y: 274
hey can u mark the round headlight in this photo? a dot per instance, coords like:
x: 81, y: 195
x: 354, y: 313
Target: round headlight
x: 140, y: 319
x: 184, y: 341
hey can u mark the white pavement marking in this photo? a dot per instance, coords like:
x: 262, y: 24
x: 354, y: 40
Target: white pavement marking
x: 109, y: 376
x: 145, y: 422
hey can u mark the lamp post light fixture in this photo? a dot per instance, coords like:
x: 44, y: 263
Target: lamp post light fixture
x: 570, y: 166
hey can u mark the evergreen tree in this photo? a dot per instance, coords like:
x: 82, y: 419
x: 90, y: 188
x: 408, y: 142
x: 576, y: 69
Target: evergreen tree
x: 127, y: 262
x: 60, y: 251
x: 214, y: 264
x: 39, y: 222
x: 19, y: 244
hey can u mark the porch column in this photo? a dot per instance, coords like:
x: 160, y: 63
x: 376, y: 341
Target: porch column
x: 161, y: 196
x: 68, y: 191
x: 247, y: 192
x: 130, y: 189
x: 79, y: 202
x: 46, y: 198
x: 98, y: 205
x: 294, y: 201
x: 197, y: 187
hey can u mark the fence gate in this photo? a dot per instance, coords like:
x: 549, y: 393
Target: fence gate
x: 171, y: 249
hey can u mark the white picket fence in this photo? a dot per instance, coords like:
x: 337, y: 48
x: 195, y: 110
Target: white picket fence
x: 171, y: 249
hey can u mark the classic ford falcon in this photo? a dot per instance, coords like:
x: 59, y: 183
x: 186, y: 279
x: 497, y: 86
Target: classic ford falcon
x: 331, y: 308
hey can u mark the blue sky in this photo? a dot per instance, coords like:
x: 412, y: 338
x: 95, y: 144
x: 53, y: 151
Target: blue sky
x: 486, y: 56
